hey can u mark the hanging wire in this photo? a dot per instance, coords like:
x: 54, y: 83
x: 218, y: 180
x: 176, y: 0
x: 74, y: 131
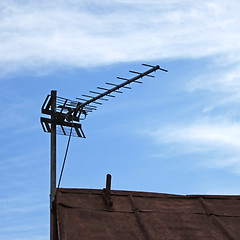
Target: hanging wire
x: 65, y: 156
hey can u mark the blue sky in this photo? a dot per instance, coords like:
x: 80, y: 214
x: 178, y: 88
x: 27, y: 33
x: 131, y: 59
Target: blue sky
x: 177, y: 133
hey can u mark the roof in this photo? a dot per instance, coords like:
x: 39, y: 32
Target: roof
x: 119, y: 215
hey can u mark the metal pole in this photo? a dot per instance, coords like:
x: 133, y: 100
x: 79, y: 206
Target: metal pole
x: 53, y: 162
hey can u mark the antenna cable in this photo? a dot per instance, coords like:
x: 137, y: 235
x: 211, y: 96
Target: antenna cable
x: 65, y: 156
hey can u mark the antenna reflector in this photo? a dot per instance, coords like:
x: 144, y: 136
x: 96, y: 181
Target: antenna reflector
x: 82, y: 99
x: 150, y: 75
x: 94, y: 92
x: 118, y: 91
x: 135, y: 72
x: 127, y: 87
x: 137, y: 81
x: 87, y: 96
x: 102, y: 88
x: 113, y: 84
x: 163, y: 69
x: 123, y: 78
x: 97, y: 103
x: 110, y: 95
x: 147, y: 65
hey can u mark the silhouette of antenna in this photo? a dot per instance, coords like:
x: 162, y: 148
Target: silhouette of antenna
x: 65, y: 116
x: 68, y: 112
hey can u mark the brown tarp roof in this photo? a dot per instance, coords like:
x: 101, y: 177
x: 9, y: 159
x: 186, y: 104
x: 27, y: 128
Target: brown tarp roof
x: 87, y: 214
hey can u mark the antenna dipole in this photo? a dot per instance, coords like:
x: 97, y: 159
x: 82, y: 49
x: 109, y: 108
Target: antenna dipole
x: 69, y: 113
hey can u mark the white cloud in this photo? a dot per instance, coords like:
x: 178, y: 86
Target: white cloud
x: 223, y: 80
x: 214, y: 145
x: 39, y: 34
x: 223, y: 86
x: 208, y: 135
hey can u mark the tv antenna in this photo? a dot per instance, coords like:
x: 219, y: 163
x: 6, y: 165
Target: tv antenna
x: 66, y: 115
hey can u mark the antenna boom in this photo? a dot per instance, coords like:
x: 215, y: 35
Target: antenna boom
x: 128, y: 81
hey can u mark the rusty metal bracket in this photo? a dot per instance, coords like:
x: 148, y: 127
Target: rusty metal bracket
x: 107, y: 192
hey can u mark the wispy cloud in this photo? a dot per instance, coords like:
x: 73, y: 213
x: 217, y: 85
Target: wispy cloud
x: 45, y: 35
x: 224, y: 80
x: 23, y: 216
x: 220, y: 141
x: 209, y: 135
x: 223, y: 87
